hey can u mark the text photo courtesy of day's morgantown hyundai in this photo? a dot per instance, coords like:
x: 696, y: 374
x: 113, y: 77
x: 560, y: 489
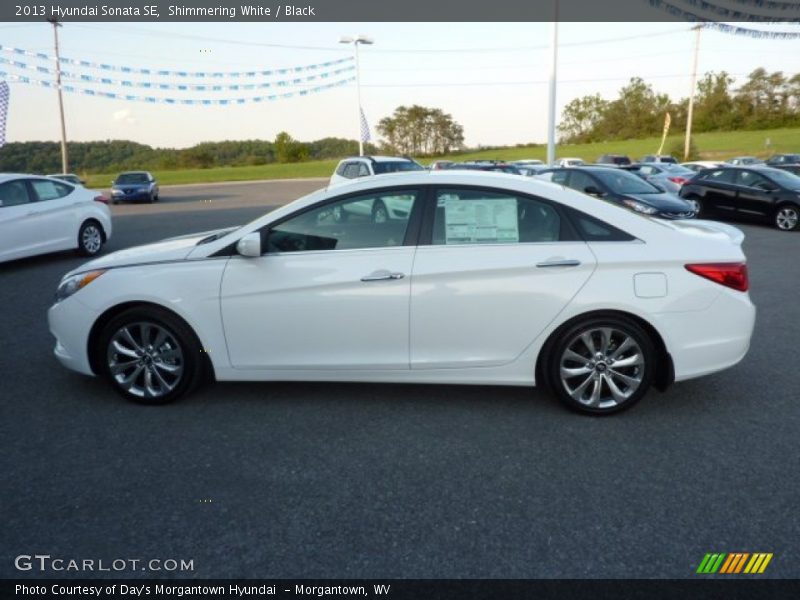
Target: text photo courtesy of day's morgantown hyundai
x: 415, y: 301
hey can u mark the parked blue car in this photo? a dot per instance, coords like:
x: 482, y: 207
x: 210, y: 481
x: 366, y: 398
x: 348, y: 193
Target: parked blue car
x: 134, y: 186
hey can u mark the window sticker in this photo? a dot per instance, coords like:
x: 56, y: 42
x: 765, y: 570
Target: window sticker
x: 481, y: 221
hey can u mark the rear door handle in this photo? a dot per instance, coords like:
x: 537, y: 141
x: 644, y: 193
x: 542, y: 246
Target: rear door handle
x: 558, y: 263
x: 383, y: 275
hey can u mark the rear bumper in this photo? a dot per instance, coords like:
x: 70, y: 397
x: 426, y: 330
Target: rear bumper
x: 711, y: 340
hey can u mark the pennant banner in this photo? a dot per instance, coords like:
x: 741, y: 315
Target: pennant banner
x: 738, y: 15
x: 168, y: 73
x: 181, y: 101
x: 365, y: 134
x: 676, y: 11
x: 203, y: 87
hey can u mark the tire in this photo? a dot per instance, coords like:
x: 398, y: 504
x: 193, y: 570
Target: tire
x: 150, y: 199
x: 590, y: 380
x: 156, y: 198
x: 90, y: 238
x: 149, y: 356
x: 787, y: 217
x: 698, y: 204
x: 380, y: 214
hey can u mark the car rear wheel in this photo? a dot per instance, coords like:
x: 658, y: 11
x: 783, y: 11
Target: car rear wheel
x: 380, y: 213
x: 90, y: 238
x: 787, y: 217
x: 697, y: 205
x: 602, y: 365
x: 150, y: 356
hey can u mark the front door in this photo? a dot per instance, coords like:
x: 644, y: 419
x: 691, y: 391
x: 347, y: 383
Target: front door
x: 330, y: 291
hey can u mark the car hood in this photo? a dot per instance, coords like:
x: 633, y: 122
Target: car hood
x: 663, y: 202
x: 169, y: 250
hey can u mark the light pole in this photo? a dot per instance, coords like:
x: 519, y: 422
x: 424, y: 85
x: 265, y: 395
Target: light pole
x: 689, y: 114
x: 64, y: 158
x: 551, y: 108
x: 356, y: 40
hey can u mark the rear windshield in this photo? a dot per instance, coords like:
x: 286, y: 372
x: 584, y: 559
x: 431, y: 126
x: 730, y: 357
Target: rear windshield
x: 132, y: 178
x: 395, y: 166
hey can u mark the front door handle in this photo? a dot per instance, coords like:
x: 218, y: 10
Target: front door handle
x: 383, y: 275
x: 558, y: 263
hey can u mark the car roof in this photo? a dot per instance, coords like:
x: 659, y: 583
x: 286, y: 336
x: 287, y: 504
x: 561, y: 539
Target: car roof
x: 378, y: 158
x: 10, y: 176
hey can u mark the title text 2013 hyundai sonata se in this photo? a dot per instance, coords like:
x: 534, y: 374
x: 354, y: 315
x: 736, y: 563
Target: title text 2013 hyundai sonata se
x: 475, y: 278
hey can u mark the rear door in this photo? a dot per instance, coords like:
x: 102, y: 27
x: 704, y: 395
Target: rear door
x: 497, y: 270
x: 720, y: 191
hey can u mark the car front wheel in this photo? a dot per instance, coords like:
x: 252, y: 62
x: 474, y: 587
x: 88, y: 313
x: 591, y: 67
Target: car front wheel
x: 380, y: 213
x: 150, y: 356
x: 787, y: 217
x: 602, y: 365
x: 697, y: 205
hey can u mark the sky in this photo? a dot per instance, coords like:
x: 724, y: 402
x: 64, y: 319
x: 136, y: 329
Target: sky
x: 491, y: 77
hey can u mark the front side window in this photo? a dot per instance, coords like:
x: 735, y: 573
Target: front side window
x: 467, y: 216
x: 49, y: 190
x: 14, y: 193
x: 363, y: 170
x: 721, y: 176
x: 559, y: 177
x: 378, y: 219
x: 623, y: 182
x: 754, y: 180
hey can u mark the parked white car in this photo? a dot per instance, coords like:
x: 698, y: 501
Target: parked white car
x: 41, y: 214
x: 699, y: 165
x: 357, y: 167
x: 569, y: 162
x: 492, y: 279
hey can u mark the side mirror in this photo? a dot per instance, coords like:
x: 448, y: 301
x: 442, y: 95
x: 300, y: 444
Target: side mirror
x: 592, y: 191
x: 250, y: 245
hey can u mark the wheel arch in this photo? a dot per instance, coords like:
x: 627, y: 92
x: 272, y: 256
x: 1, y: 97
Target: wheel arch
x: 97, y: 222
x: 665, y: 369
x: 110, y: 313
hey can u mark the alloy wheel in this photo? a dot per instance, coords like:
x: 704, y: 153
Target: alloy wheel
x: 602, y: 367
x: 145, y: 360
x: 91, y: 239
x: 787, y: 218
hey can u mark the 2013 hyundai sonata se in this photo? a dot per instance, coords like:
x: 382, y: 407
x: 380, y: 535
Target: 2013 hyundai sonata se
x: 476, y: 278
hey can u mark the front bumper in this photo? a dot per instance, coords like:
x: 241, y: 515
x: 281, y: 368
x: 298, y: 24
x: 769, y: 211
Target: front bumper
x: 131, y: 196
x: 70, y: 322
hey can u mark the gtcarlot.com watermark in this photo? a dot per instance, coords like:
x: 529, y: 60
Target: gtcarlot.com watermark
x: 45, y: 563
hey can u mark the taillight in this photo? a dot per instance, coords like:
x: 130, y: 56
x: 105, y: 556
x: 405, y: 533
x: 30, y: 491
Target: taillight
x: 678, y: 180
x: 732, y: 275
x: 101, y: 198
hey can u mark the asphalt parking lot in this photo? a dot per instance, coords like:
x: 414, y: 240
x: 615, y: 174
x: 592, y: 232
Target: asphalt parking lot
x: 361, y: 480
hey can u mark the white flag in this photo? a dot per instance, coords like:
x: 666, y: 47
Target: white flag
x: 4, y: 94
x: 365, y: 136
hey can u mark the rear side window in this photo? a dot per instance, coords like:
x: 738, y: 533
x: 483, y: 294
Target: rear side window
x: 49, y: 190
x: 340, y: 169
x: 14, y: 193
x: 351, y: 170
x: 595, y: 230
x: 720, y: 176
x: 474, y: 216
x: 559, y: 177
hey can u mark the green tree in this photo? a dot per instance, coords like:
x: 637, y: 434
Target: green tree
x: 419, y: 130
x: 580, y: 119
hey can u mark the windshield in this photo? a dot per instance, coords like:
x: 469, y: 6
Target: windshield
x: 128, y: 178
x: 396, y: 166
x: 785, y: 179
x: 623, y: 182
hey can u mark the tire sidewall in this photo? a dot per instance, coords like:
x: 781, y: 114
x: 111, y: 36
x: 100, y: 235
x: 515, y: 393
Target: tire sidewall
x: 380, y: 205
x: 564, y: 336
x: 184, y: 336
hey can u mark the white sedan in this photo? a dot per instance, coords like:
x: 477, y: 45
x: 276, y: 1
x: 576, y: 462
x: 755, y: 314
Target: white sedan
x: 41, y: 214
x: 491, y: 279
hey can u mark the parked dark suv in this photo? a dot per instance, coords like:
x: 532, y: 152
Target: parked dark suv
x: 757, y: 193
x: 616, y: 160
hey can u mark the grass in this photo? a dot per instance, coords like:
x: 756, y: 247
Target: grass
x: 712, y: 146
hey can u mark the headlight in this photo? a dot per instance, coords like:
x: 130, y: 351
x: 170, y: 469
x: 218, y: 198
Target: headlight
x: 640, y: 207
x: 70, y: 285
x: 116, y: 192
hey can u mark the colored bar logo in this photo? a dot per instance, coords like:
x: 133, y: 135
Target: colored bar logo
x: 732, y: 563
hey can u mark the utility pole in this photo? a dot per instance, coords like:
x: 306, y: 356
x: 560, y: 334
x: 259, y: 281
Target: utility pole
x: 64, y: 158
x: 688, y: 141
x: 551, y: 112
